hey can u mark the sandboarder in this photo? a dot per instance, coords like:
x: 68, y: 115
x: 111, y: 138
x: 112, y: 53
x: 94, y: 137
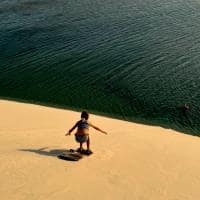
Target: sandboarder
x: 82, y: 133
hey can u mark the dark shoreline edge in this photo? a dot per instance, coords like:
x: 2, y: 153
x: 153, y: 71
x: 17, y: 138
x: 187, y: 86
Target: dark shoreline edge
x: 112, y: 116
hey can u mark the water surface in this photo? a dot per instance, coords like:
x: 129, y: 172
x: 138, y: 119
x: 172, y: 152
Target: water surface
x: 134, y: 60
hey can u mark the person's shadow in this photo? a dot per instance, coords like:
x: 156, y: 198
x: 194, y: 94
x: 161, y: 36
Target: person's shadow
x: 45, y: 152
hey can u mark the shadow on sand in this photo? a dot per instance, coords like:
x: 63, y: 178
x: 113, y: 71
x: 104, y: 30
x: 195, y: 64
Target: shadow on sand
x: 46, y: 152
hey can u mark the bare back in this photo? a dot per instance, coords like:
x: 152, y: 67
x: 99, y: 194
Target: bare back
x: 82, y: 127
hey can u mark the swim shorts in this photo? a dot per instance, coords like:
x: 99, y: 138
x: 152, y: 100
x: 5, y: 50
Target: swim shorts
x: 81, y: 138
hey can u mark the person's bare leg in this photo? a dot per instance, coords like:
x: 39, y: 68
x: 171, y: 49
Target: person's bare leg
x: 81, y: 146
x: 88, y: 144
x: 88, y: 152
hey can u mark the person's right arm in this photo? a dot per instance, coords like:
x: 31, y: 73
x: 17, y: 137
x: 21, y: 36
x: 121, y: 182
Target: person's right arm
x: 98, y: 129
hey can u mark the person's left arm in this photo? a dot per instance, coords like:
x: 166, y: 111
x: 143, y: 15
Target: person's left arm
x: 69, y: 132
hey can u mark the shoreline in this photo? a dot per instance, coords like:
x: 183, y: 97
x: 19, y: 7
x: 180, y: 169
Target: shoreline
x: 102, y: 114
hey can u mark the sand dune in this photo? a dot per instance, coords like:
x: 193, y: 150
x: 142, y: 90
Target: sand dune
x: 133, y: 162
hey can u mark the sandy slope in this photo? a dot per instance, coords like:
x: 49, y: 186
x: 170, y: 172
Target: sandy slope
x: 133, y: 162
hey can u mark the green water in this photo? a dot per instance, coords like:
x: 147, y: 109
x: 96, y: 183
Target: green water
x: 133, y: 60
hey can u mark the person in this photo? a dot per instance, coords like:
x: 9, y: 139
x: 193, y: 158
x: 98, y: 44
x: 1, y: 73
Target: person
x: 185, y: 108
x: 82, y: 133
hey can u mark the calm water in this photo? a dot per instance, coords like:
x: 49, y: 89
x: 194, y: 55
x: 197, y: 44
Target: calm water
x: 138, y: 60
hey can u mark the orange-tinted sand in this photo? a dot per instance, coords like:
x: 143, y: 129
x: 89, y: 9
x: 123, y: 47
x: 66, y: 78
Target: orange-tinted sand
x: 134, y: 161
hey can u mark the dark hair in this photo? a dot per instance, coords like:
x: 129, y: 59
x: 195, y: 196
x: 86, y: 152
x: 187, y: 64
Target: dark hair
x: 85, y: 115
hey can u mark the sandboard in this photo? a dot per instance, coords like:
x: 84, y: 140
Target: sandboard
x: 73, y: 155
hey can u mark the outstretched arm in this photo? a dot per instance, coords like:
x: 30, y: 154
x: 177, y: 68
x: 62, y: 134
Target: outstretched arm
x: 69, y: 132
x: 98, y: 129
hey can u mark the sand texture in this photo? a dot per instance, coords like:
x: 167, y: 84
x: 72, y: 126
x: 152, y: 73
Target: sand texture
x: 133, y: 161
